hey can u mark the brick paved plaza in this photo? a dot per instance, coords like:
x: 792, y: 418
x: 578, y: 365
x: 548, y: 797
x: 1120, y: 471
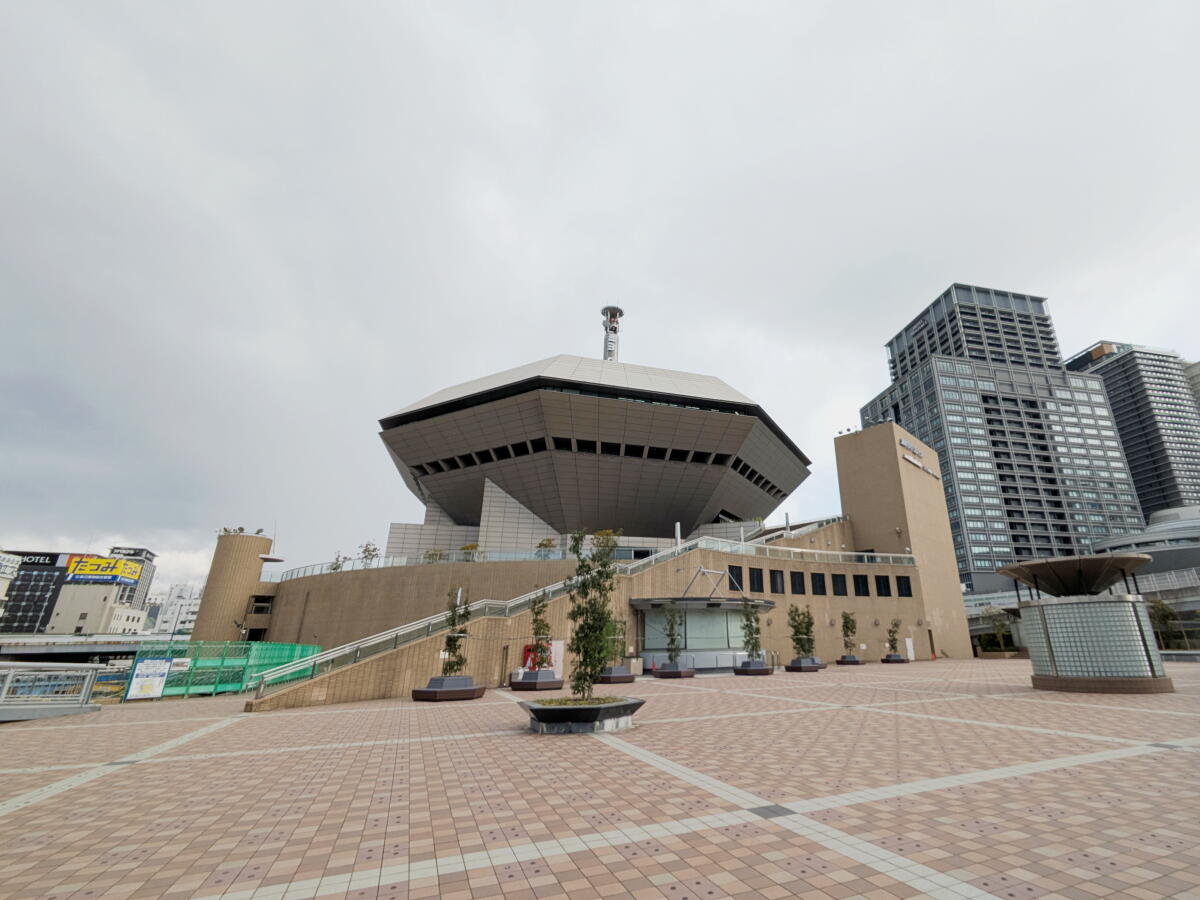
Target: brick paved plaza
x: 945, y: 779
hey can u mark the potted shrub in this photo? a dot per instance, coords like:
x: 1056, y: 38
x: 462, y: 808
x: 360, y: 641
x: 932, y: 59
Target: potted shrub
x: 673, y: 668
x: 590, y: 648
x: 800, y: 621
x: 616, y: 671
x: 753, y: 664
x: 540, y: 676
x: 893, y: 641
x: 452, y: 684
x: 849, y: 630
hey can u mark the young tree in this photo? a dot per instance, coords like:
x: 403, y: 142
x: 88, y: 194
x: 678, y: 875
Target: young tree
x: 541, y: 631
x: 800, y: 621
x: 998, y: 620
x: 1161, y: 615
x: 751, y: 634
x: 849, y: 630
x: 544, y: 546
x: 591, y: 609
x: 674, y: 619
x: 893, y: 634
x: 457, y: 616
x: 368, y: 553
x: 338, y: 562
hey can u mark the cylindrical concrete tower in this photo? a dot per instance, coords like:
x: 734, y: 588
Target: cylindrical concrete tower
x: 232, y: 578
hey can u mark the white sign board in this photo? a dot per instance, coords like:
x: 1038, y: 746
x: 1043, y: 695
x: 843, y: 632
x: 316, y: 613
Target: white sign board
x: 149, y: 679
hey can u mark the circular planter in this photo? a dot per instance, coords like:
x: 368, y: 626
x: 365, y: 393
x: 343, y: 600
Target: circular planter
x: 615, y: 675
x: 850, y: 659
x: 536, y: 680
x: 674, y: 670
x: 894, y: 658
x: 752, y: 667
x: 805, y: 664
x: 449, y: 687
x: 582, y: 719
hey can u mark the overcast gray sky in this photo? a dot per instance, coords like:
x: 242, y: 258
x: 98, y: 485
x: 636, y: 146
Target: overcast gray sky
x: 235, y: 235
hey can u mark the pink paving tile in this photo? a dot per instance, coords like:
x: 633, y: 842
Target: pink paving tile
x: 288, y: 809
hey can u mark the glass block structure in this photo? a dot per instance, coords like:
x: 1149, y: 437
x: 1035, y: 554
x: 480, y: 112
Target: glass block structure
x: 1157, y: 417
x: 1030, y: 457
x: 1081, y: 634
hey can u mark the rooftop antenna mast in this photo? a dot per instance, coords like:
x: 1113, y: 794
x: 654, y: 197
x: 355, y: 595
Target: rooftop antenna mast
x: 612, y: 328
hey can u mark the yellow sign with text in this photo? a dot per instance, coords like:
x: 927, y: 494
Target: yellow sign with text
x: 103, y: 570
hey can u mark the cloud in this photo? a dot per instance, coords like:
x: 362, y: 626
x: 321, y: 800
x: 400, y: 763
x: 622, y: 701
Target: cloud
x: 230, y: 241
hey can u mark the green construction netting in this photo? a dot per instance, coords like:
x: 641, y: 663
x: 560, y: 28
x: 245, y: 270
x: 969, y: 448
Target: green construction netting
x: 214, y: 667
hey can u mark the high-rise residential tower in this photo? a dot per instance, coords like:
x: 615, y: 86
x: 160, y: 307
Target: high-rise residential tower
x: 1157, y: 418
x: 1192, y: 371
x: 1030, y: 457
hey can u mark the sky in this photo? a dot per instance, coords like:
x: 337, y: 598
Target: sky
x: 233, y: 236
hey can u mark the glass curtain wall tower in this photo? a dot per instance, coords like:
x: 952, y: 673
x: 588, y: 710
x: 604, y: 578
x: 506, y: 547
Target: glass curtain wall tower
x: 1031, y: 461
x: 1157, y: 418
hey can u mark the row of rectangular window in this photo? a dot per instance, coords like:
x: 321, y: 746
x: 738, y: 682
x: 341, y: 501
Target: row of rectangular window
x: 817, y: 583
x: 603, y: 448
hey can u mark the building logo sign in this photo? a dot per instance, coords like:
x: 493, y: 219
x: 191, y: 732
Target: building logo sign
x: 39, y: 559
x: 920, y: 465
x: 102, y: 570
x: 910, y: 448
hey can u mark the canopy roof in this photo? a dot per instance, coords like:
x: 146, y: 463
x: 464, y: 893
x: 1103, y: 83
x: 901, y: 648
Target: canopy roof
x: 1071, y: 576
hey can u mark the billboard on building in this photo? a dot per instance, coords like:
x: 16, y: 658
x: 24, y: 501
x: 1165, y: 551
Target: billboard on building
x: 103, y: 570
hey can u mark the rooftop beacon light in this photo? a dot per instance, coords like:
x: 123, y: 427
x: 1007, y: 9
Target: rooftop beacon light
x: 612, y: 328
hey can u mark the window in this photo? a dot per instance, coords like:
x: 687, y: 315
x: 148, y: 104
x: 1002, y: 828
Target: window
x: 818, y: 582
x: 777, y: 581
x: 862, y: 586
x: 883, y: 586
x: 735, y: 578
x: 756, y: 581
x: 839, y: 585
x: 797, y: 582
x: 903, y: 586
x: 261, y: 605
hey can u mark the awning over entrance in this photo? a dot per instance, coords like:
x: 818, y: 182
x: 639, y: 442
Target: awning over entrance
x: 698, y: 603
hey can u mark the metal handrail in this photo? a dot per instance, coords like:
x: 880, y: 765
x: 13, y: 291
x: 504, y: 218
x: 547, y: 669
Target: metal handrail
x: 47, y: 683
x: 394, y: 637
x: 798, y: 530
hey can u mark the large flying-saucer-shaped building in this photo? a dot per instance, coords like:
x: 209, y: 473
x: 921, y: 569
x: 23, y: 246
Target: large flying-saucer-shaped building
x: 595, y: 443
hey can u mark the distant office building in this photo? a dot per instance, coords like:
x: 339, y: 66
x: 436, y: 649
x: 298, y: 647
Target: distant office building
x: 9, y: 564
x: 135, y: 594
x: 42, y: 577
x: 1157, y: 419
x: 93, y: 609
x: 1031, y: 461
x: 177, y: 613
x: 34, y: 591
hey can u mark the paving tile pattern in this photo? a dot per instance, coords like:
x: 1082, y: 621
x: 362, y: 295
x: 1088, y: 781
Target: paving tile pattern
x: 945, y: 779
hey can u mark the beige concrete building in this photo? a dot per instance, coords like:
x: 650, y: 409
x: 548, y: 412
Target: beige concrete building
x: 888, y: 556
x: 93, y: 609
x: 683, y: 465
